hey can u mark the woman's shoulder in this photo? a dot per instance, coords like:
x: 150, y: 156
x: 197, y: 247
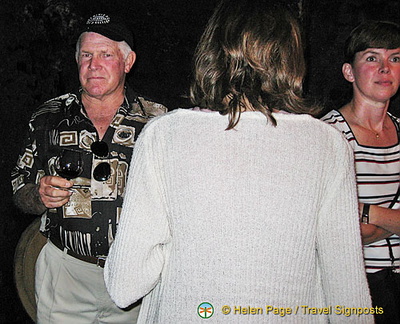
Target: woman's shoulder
x: 394, y: 118
x: 332, y: 117
x: 308, y: 121
x: 312, y: 129
x: 173, y: 116
x: 173, y: 120
x: 335, y: 118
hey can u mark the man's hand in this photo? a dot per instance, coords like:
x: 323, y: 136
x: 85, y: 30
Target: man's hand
x: 54, y: 191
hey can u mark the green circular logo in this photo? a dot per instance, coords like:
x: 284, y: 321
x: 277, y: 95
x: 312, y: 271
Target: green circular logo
x: 205, y: 310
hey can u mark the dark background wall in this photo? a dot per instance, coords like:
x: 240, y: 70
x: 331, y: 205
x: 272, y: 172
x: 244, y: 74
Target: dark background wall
x: 37, y: 39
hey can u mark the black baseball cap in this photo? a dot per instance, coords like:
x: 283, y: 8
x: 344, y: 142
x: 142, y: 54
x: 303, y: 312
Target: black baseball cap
x: 110, y: 26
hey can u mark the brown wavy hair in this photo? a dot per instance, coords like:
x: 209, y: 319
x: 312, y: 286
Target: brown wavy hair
x: 250, y: 56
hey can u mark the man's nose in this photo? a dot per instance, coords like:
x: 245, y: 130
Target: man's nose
x: 94, y: 63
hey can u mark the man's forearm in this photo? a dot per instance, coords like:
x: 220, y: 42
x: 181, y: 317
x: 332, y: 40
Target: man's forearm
x: 27, y: 199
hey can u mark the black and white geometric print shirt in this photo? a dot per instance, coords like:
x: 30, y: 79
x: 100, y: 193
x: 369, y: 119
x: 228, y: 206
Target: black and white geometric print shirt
x: 87, y: 223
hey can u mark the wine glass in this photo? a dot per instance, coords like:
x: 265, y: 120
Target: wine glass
x: 69, y: 164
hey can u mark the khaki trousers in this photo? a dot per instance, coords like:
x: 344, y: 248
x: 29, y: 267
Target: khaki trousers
x: 69, y: 290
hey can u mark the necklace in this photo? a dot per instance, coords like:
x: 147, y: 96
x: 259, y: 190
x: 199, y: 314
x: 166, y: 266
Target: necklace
x: 377, y: 136
x: 370, y: 130
x: 360, y: 124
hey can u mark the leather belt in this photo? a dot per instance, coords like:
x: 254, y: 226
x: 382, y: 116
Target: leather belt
x: 99, y: 261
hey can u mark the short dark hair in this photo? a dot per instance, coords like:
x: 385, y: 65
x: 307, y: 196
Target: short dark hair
x: 371, y: 34
x: 250, y: 52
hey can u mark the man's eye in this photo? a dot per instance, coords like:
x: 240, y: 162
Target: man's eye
x: 371, y: 59
x: 396, y: 59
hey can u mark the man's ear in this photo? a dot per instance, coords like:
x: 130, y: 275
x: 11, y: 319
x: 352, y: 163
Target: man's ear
x: 130, y: 60
x: 347, y: 71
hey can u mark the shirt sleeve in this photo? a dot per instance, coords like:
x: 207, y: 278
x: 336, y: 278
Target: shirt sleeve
x: 28, y: 171
x: 138, y: 253
x: 339, y: 246
x: 30, y: 166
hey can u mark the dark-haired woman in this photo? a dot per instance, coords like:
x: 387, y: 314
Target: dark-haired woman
x: 372, y: 66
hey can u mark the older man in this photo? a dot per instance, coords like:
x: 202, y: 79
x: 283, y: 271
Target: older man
x: 80, y: 207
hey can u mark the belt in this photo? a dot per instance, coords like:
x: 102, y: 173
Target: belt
x: 99, y: 261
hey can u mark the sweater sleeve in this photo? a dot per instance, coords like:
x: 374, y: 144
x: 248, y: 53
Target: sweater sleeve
x: 339, y: 246
x: 137, y: 254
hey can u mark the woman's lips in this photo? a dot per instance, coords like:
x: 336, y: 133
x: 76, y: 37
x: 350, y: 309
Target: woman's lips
x: 384, y: 83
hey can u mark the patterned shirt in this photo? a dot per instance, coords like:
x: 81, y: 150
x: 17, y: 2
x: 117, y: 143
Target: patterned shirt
x: 378, y: 177
x: 87, y: 223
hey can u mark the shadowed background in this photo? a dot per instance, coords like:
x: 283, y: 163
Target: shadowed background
x: 37, y: 42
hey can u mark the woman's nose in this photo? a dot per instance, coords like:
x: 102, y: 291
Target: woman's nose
x: 384, y: 68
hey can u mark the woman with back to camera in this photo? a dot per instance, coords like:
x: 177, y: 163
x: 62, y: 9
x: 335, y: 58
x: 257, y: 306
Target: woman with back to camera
x: 372, y: 66
x: 236, y: 207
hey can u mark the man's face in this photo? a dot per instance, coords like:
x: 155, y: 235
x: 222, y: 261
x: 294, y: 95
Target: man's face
x: 101, y: 66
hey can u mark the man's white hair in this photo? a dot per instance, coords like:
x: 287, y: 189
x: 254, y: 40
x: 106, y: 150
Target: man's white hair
x: 123, y: 47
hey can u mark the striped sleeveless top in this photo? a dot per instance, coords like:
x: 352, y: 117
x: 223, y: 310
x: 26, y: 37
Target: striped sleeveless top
x: 378, y: 178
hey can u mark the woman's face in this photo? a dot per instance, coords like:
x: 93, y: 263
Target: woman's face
x: 375, y: 74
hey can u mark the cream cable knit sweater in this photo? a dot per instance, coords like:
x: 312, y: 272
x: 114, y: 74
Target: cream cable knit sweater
x: 253, y: 219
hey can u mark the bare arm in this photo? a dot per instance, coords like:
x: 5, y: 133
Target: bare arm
x: 386, y: 218
x: 51, y: 193
x: 371, y: 233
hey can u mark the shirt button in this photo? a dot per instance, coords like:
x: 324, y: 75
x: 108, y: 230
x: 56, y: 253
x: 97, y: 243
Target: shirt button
x: 97, y: 229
